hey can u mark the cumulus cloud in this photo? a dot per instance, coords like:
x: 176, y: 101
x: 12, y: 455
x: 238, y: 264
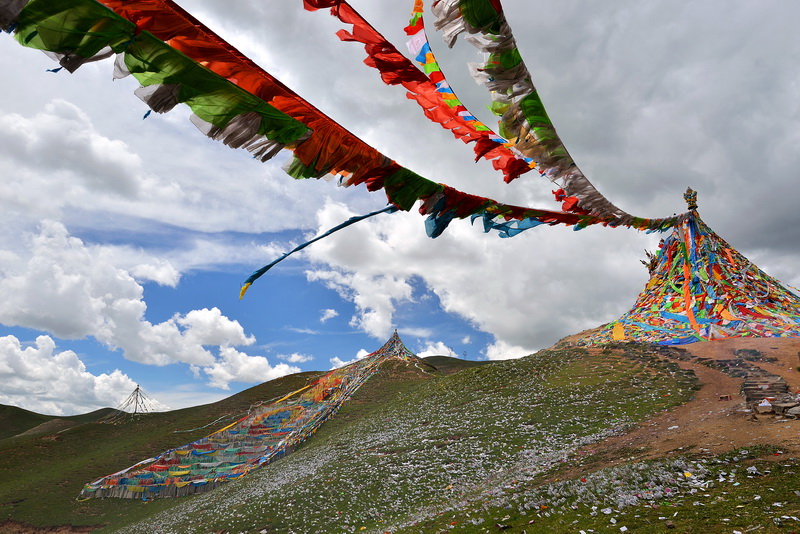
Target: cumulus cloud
x: 500, y: 350
x: 295, y: 357
x: 437, y: 348
x: 374, y: 297
x: 58, y: 285
x: 75, y: 162
x: 61, y: 285
x: 509, y: 288
x: 235, y: 366
x: 374, y: 294
x: 69, y: 289
x: 337, y: 362
x: 44, y: 380
x: 84, y: 158
x: 328, y: 314
x: 60, y: 160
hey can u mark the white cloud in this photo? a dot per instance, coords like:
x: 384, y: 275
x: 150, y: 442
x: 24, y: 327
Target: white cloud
x: 501, y: 350
x: 158, y: 270
x: 506, y: 287
x: 373, y: 293
x: 373, y: 296
x: 60, y: 160
x: 210, y: 327
x: 43, y: 380
x: 295, y: 357
x: 416, y: 332
x: 75, y: 162
x: 328, y: 314
x: 466, y: 340
x: 235, y: 366
x: 435, y: 349
x: 63, y: 287
x: 74, y: 291
x: 337, y: 362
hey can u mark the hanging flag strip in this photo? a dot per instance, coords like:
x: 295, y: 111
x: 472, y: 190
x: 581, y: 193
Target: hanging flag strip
x: 269, y: 432
x: 702, y: 289
x: 429, y: 89
x: 523, y: 117
x: 178, y: 60
x: 352, y: 220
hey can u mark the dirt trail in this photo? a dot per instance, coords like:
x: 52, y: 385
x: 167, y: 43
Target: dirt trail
x: 708, y: 424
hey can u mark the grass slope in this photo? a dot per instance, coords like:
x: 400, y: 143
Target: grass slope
x: 448, y: 364
x: 408, y: 449
x: 15, y: 420
x: 41, y: 476
x: 503, y: 446
x: 747, y: 490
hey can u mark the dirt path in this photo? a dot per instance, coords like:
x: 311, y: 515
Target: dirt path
x: 708, y: 424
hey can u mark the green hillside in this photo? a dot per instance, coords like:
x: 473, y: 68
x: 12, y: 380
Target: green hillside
x: 498, y: 446
x: 448, y: 364
x: 409, y: 447
x: 41, y: 475
x: 15, y: 420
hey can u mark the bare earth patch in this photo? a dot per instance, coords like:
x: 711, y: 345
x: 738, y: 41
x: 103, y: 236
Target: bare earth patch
x: 708, y: 424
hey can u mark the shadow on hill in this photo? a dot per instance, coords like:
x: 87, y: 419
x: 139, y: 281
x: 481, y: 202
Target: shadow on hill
x: 448, y: 364
x: 17, y: 421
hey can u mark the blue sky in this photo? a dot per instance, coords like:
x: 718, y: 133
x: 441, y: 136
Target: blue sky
x: 124, y: 241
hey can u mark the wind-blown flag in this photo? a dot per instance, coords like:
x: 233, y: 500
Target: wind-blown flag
x: 177, y: 59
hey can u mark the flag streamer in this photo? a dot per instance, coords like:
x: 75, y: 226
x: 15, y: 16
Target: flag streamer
x: 352, y: 220
x: 176, y: 59
x: 429, y: 88
x: 523, y: 118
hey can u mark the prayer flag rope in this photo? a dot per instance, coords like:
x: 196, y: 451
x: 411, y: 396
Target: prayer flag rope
x: 523, y: 118
x: 429, y: 88
x: 178, y: 60
x: 352, y: 220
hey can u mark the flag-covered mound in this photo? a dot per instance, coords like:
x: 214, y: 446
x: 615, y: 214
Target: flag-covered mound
x: 702, y: 289
x: 267, y: 433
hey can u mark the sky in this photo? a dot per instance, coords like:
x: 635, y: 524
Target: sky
x: 124, y: 241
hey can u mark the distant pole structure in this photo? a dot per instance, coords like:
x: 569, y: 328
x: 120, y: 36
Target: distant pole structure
x: 138, y: 403
x: 137, y: 400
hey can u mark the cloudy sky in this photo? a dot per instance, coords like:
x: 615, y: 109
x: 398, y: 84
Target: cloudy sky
x: 123, y: 241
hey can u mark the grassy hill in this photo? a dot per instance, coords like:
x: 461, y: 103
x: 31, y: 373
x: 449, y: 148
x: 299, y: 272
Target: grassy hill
x: 15, y: 421
x: 513, y: 445
x: 41, y: 475
x: 448, y: 364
